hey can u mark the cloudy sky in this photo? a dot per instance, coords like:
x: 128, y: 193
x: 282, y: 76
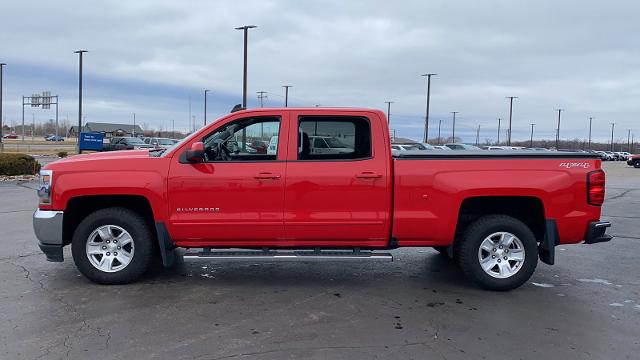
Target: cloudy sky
x: 150, y: 57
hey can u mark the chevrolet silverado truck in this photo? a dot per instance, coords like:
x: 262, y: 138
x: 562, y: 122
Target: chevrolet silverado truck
x: 496, y: 213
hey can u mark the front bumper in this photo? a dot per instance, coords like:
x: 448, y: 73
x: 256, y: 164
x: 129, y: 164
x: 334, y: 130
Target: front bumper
x: 47, y: 226
x: 596, y: 232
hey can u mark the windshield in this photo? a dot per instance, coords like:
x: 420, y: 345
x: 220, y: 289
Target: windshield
x: 165, y: 141
x: 132, y: 140
x: 334, y: 143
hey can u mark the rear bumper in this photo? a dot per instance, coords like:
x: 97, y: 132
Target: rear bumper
x: 47, y: 226
x: 597, y: 232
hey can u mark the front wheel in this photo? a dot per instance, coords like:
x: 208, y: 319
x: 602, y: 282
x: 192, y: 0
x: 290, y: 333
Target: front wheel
x: 636, y: 164
x: 112, y: 246
x: 498, y: 252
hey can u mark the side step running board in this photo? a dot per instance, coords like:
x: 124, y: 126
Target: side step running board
x: 286, y: 255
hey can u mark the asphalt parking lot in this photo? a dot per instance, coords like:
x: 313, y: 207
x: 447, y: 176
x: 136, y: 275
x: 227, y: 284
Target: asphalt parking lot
x: 420, y: 306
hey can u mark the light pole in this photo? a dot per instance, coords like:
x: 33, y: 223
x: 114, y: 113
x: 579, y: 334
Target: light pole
x: 558, y: 129
x: 613, y: 125
x: 245, y: 29
x: 205, y: 106
x: 439, y: 126
x: 426, y: 117
x: 80, y: 53
x: 478, y: 136
x: 133, y: 132
x: 286, y: 94
x: 629, y: 140
x: 531, y: 140
x: 388, y: 111
x: 590, y: 122
x: 454, y: 125
x: 499, y: 121
x: 1, y: 129
x: 510, y: 116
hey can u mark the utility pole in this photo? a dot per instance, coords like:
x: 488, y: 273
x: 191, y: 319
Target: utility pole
x: 558, y: 129
x: 193, y: 117
x: 261, y: 95
x: 173, y: 129
x: 286, y: 95
x: 613, y: 125
x: 388, y: 111
x: 478, y: 136
x: 426, y: 118
x: 205, y: 106
x: 510, y: 116
x: 245, y: 29
x: 454, y: 125
x: 590, y: 122
x: 629, y: 140
x: 80, y: 53
x: 1, y: 123
x: 499, y: 121
x: 531, y: 140
x: 439, y: 127
x: 133, y: 132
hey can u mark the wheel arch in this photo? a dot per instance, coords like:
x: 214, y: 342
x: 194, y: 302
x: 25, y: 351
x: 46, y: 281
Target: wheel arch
x: 80, y: 206
x: 528, y: 209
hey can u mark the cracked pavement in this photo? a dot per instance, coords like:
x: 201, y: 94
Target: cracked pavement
x: 587, y: 306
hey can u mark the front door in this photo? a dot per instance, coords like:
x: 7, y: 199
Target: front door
x: 235, y: 197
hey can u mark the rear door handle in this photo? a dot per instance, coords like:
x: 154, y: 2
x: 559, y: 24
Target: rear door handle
x: 267, y: 175
x: 368, y: 175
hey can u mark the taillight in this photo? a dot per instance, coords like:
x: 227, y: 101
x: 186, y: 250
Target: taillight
x: 595, y: 187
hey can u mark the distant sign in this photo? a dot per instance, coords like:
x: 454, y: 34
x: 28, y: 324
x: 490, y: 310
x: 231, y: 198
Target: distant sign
x: 91, y: 141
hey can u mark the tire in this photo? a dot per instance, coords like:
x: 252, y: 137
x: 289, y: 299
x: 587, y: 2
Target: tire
x: 112, y: 223
x: 636, y: 164
x: 501, y: 275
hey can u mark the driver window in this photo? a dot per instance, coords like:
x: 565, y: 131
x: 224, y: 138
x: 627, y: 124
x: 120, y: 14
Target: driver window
x: 248, y: 139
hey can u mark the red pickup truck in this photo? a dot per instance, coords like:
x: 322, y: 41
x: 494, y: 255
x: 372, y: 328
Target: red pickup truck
x: 328, y: 187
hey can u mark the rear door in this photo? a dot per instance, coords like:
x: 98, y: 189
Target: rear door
x: 339, y: 196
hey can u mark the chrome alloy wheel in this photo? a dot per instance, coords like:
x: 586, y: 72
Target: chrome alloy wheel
x: 501, y: 255
x: 110, y: 248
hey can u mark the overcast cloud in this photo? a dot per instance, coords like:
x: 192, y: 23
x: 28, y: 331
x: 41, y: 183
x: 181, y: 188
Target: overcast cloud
x: 148, y: 57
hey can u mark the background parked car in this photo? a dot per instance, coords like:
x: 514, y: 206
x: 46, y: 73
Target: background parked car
x: 461, y: 146
x: 441, y: 147
x: 126, y: 143
x: 54, y: 138
x: 158, y: 142
x: 10, y: 136
x: 634, y: 160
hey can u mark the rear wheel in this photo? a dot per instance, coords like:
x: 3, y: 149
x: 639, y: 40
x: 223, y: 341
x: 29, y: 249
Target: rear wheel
x: 113, y: 246
x: 498, y: 252
x: 636, y: 164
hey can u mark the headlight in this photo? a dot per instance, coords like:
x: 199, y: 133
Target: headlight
x: 44, y: 187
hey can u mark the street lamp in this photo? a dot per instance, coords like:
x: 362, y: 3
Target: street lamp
x: 454, y: 125
x: 510, y: 116
x: 439, y: 126
x: 558, y: 130
x: 388, y: 111
x: 499, y: 121
x: 80, y: 53
x: 478, y: 136
x: 613, y: 125
x: 286, y: 94
x: 531, y: 140
x: 245, y: 29
x: 590, y: 121
x: 426, y: 117
x: 1, y: 130
x: 205, y: 106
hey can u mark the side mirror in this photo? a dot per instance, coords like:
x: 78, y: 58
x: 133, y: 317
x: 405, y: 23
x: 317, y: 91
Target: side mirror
x: 195, y: 154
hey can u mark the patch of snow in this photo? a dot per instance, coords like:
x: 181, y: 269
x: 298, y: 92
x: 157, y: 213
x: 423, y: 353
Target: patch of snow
x: 596, y: 281
x: 543, y: 285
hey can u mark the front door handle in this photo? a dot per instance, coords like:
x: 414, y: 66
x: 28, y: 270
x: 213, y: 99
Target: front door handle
x: 267, y: 175
x: 368, y: 175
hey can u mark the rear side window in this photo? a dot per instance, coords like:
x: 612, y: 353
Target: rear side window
x: 333, y: 138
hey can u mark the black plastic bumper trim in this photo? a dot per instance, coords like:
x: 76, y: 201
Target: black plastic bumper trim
x: 53, y: 252
x: 597, y: 232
